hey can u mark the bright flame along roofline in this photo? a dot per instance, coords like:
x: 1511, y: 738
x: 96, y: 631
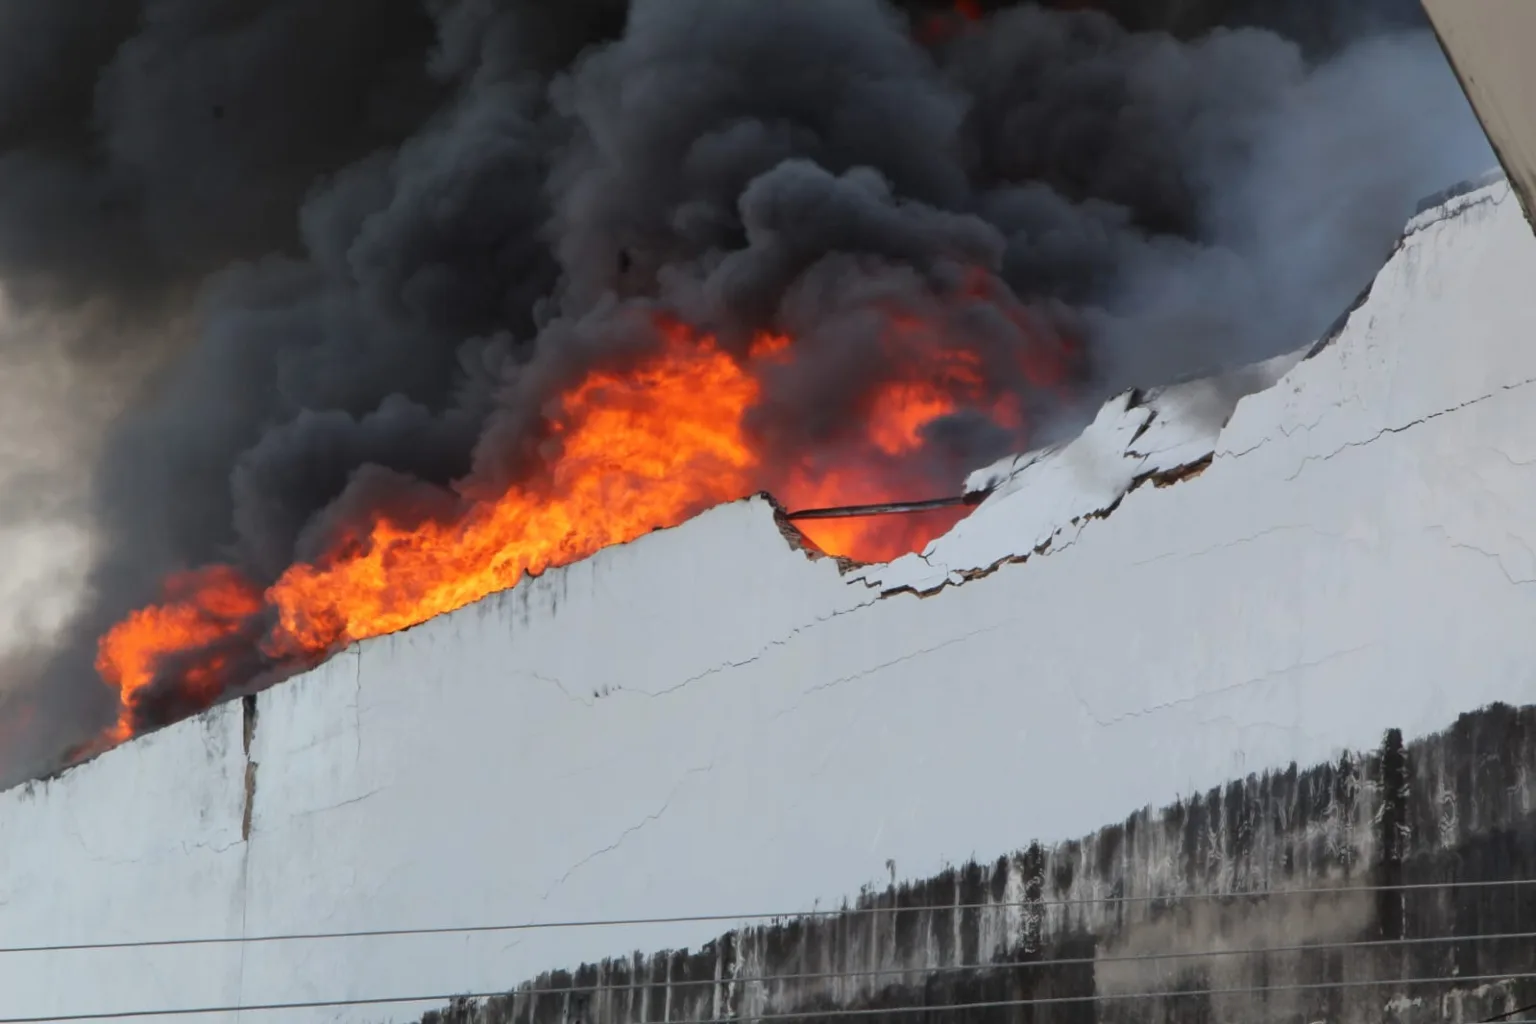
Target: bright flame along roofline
x: 633, y: 452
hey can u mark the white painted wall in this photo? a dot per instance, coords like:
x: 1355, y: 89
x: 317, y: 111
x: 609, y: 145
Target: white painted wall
x: 707, y: 721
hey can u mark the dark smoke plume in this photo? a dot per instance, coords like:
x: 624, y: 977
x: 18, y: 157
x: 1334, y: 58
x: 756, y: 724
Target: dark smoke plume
x: 356, y: 244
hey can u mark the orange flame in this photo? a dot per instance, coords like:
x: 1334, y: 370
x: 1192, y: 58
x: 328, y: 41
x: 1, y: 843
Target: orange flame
x: 202, y: 607
x: 633, y: 452
x: 637, y: 452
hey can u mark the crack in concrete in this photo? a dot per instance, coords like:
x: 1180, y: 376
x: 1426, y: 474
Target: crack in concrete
x: 1401, y: 428
x: 338, y: 806
x: 187, y: 848
x: 783, y: 641
x: 855, y: 677
x: 1202, y: 552
x: 1055, y: 544
x: 1516, y: 463
x: 1286, y: 433
x: 1494, y: 556
x: 557, y: 684
x: 623, y: 836
x: 1218, y: 691
x: 617, y: 690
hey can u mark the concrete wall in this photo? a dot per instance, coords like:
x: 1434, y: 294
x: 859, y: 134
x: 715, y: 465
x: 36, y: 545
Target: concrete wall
x: 708, y: 721
x: 1117, y: 908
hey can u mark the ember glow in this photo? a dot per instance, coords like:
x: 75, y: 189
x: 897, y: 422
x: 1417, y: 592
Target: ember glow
x: 632, y: 452
x: 941, y: 26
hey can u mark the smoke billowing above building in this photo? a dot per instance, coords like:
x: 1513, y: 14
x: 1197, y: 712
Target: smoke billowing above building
x: 362, y: 254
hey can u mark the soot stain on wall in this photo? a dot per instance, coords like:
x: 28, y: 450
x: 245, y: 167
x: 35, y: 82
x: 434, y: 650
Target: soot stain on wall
x: 1121, y: 926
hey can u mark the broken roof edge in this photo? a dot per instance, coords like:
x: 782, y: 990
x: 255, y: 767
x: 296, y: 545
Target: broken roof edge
x: 1440, y: 203
x: 1036, y: 502
x: 1159, y: 435
x: 1432, y: 209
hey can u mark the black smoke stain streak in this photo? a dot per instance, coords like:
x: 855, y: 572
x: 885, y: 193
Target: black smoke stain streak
x: 399, y: 226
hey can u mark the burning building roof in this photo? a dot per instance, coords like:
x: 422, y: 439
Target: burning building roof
x: 709, y: 720
x: 478, y: 455
x: 508, y: 285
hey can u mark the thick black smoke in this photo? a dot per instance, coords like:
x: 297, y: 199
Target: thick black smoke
x: 380, y: 233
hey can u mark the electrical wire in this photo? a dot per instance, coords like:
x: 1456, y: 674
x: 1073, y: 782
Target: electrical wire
x: 797, y: 1015
x: 1508, y: 1014
x: 1013, y: 965
x: 847, y: 912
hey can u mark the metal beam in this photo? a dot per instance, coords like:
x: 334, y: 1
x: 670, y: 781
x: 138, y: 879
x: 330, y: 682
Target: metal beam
x: 888, y: 508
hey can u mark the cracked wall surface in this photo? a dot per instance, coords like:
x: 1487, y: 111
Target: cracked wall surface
x: 709, y: 721
x: 1275, y: 861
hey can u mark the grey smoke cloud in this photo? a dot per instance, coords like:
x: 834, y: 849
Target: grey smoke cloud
x: 152, y: 141
x: 1293, y: 230
x: 697, y: 100
x: 399, y: 226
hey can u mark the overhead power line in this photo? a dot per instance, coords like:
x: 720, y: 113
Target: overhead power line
x: 747, y: 918
x: 1006, y: 966
x: 798, y: 1015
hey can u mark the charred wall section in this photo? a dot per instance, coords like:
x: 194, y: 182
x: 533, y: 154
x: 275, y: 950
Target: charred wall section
x: 1179, y: 914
